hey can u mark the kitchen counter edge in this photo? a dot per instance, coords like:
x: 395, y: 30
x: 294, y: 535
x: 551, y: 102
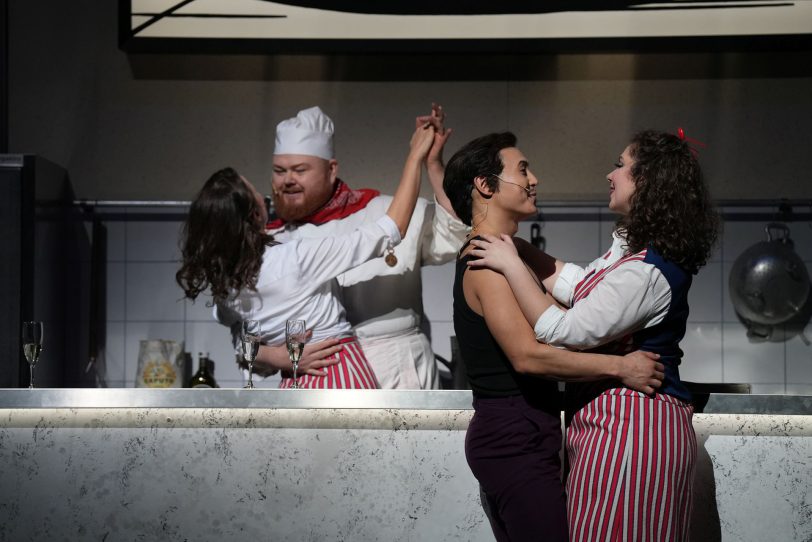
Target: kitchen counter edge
x: 712, y: 403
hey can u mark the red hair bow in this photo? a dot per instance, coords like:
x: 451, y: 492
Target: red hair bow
x: 690, y: 141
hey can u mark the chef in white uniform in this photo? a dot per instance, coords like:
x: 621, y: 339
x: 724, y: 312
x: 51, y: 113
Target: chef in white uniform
x: 383, y: 297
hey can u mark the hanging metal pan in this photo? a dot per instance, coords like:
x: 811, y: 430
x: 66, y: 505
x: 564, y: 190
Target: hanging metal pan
x: 769, y: 283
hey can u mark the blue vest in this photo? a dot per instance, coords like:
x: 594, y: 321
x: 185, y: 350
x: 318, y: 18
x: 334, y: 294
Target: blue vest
x: 664, y: 338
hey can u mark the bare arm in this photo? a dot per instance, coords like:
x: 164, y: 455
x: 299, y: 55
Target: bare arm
x: 499, y: 254
x: 489, y: 294
x: 403, y: 203
x: 546, y: 267
x: 434, y: 161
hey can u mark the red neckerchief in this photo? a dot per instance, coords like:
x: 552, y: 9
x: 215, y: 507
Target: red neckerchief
x: 343, y: 202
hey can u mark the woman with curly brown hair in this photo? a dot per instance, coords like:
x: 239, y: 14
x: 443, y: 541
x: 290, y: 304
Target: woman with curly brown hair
x: 251, y: 276
x: 514, y: 438
x: 631, y: 454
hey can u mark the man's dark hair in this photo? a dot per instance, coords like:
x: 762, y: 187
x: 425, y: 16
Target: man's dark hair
x: 479, y: 157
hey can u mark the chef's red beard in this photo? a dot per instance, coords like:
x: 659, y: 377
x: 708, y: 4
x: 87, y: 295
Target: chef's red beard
x: 314, y: 199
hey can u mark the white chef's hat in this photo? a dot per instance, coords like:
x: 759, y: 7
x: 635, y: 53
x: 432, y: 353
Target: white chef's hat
x: 310, y: 132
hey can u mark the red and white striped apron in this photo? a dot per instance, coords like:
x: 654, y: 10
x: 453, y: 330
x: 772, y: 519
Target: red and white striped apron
x: 632, y: 462
x: 351, y: 372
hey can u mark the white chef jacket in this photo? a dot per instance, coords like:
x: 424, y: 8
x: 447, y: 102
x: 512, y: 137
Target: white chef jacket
x: 297, y: 280
x: 635, y: 295
x: 385, y: 304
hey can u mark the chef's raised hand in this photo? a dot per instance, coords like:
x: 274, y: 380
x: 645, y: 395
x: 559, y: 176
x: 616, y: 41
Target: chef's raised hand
x: 403, y: 202
x: 441, y: 134
x: 436, y: 118
x: 422, y: 140
x: 435, y: 167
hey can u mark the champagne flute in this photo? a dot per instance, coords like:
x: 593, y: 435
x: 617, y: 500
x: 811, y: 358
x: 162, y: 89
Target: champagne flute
x: 295, y: 339
x: 32, y: 346
x: 250, y: 336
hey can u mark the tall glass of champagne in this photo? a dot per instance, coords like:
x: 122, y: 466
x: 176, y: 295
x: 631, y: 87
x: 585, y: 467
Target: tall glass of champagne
x: 32, y: 345
x: 250, y: 336
x: 295, y: 339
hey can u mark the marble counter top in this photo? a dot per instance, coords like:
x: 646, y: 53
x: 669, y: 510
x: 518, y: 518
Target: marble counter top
x: 335, y: 465
x: 336, y: 399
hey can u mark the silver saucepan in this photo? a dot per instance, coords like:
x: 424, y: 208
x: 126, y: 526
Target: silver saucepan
x: 769, y: 283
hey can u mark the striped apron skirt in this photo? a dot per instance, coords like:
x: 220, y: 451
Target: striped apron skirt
x: 351, y: 372
x: 631, y: 472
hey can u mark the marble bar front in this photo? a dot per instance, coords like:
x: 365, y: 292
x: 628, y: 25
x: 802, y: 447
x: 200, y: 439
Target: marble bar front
x: 228, y: 464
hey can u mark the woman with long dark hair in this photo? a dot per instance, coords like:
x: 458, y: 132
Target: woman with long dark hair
x: 513, y: 441
x: 632, y: 454
x: 251, y: 276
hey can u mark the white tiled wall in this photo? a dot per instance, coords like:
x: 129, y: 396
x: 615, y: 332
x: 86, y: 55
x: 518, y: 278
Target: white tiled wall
x: 143, y: 301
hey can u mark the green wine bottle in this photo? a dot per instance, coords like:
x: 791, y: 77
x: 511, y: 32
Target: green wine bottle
x: 203, y: 378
